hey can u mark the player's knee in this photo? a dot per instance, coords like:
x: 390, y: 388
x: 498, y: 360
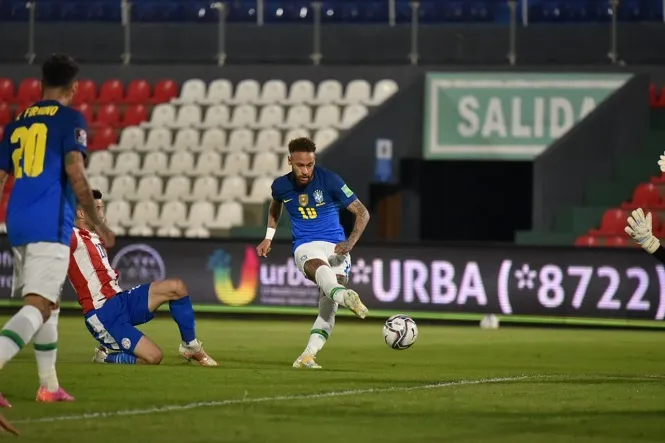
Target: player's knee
x: 153, y: 356
x: 342, y: 279
x: 178, y: 288
x: 39, y: 302
x: 312, y: 265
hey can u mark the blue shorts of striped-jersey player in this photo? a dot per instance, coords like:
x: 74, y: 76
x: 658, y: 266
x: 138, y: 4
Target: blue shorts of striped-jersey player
x: 114, y: 324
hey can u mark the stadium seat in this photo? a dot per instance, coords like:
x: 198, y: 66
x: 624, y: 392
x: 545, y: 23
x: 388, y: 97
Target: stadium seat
x: 351, y: 115
x: 204, y: 188
x: 127, y: 162
x: 357, y: 92
x: 192, y: 91
x: 265, y: 164
x: 118, y: 214
x: 188, y: 116
x: 612, y: 223
x: 301, y: 92
x: 132, y: 138
x: 236, y: 163
x: 2, y: 132
x: 181, y: 163
x: 146, y: 213
x: 284, y: 167
x: 617, y: 241
x: 29, y: 91
x: 292, y: 134
x: 201, y: 214
x: 243, y: 116
x: 213, y: 140
x: 86, y: 110
x: 159, y: 139
x: 324, y: 138
x: 383, y: 90
x: 163, y: 115
x: 138, y: 92
x: 233, y: 188
x: 168, y: 232
x: 100, y: 163
x: 247, y: 91
x: 140, y: 231
x: 215, y: 116
x: 654, y: 96
x: 199, y: 232
x: 267, y: 140
x: 111, y: 92
x: 134, y: 115
x: 173, y: 214
x: 86, y: 92
x: 239, y: 140
x: 5, y: 114
x: 100, y: 183
x: 229, y: 214
x: 165, y: 91
x: 6, y: 90
x: 122, y: 187
x: 108, y: 115
x: 328, y: 92
x: 177, y: 188
x: 586, y: 240
x: 149, y: 188
x: 273, y: 91
x: 208, y: 163
x: 186, y: 139
x: 270, y: 116
x: 660, y: 179
x: 645, y: 196
x: 219, y: 91
x: 154, y: 163
x: 103, y: 138
x: 261, y: 190
x: 298, y: 116
x: 325, y: 117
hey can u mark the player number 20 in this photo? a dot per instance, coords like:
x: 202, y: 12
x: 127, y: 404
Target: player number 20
x: 308, y: 213
x: 32, y: 149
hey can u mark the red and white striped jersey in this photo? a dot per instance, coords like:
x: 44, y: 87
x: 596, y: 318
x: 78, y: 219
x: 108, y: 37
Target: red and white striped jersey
x: 90, y: 272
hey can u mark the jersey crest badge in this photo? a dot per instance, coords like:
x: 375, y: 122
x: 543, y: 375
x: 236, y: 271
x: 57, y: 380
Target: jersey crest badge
x: 81, y: 137
x: 318, y: 196
x: 303, y: 199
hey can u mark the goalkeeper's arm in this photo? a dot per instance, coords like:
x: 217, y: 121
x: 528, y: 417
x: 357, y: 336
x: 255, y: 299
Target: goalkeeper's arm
x: 660, y: 254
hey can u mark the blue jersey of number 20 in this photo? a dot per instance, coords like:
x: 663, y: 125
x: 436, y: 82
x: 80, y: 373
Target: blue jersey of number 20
x: 42, y: 205
x: 314, y: 209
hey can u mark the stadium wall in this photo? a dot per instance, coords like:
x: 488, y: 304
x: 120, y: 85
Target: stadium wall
x: 340, y: 44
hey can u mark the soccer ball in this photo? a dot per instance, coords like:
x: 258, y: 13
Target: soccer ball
x: 400, y: 332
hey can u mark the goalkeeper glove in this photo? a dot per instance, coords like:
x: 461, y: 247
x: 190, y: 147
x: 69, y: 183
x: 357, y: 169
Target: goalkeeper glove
x: 640, y: 229
x: 661, y: 163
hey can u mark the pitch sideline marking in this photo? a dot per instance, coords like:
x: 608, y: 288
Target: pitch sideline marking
x: 209, y: 404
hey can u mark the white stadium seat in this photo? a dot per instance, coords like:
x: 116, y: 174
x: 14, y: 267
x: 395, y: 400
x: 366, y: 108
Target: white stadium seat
x: 186, y: 139
x: 270, y: 116
x: 326, y: 116
x: 122, y: 187
x: 284, y: 167
x: 126, y: 163
x: 159, y: 139
x: 301, y: 92
x: 229, y: 214
x: 219, y: 91
x: 163, y: 115
x: 132, y: 138
x: 154, y: 163
x: 236, y: 163
x: 148, y: 188
x: 199, y: 232
x: 204, y: 188
x: 192, y: 91
x: 247, y: 91
x: 100, y: 163
x: 146, y: 213
x: 118, y: 213
x: 169, y: 231
x: 233, y: 188
x: 140, y: 231
x: 291, y: 135
x: 383, y: 90
x: 176, y: 188
x: 181, y: 162
x: 351, y: 115
x: 208, y: 163
x: 265, y: 164
x: 188, y: 116
x: 243, y: 116
x: 100, y: 183
x: 213, y: 140
x: 357, y: 91
x: 201, y: 214
x: 239, y: 140
x: 261, y: 190
x: 297, y: 116
x: 216, y: 116
x: 267, y: 140
x: 174, y: 213
x: 328, y: 92
x: 273, y: 91
x: 324, y: 138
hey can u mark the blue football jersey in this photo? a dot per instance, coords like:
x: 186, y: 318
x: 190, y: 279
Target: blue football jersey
x: 314, y: 209
x: 42, y: 205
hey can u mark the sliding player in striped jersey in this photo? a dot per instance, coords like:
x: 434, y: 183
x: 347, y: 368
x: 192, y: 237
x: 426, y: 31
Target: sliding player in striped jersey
x: 111, y: 314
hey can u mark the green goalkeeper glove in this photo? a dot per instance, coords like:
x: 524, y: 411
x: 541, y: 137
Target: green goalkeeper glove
x: 640, y: 229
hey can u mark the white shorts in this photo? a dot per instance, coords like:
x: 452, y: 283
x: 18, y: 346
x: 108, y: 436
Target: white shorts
x: 323, y: 250
x: 40, y: 268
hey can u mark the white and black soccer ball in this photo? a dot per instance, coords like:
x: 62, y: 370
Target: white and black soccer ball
x: 400, y: 332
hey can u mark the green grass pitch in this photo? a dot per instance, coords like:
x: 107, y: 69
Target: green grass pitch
x: 456, y: 384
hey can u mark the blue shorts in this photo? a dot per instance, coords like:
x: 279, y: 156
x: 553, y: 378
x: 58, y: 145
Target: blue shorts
x: 113, y: 325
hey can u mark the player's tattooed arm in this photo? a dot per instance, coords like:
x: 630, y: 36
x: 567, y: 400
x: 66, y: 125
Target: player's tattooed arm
x: 362, y: 218
x: 3, y: 179
x: 75, y: 169
x: 274, y: 213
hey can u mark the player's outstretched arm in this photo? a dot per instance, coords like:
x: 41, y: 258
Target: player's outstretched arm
x: 274, y: 214
x: 359, y: 225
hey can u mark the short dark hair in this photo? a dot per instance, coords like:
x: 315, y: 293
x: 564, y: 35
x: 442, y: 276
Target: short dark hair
x: 96, y: 194
x: 59, y: 71
x: 301, y: 144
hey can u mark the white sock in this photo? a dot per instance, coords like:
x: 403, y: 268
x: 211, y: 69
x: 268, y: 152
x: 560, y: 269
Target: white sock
x: 192, y: 344
x: 18, y: 331
x: 316, y: 342
x: 46, y: 352
x: 327, y: 281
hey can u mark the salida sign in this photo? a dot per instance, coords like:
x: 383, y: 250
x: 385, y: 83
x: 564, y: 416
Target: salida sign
x: 507, y: 116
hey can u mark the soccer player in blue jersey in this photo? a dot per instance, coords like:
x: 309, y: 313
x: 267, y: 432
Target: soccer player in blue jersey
x: 313, y: 197
x: 45, y: 148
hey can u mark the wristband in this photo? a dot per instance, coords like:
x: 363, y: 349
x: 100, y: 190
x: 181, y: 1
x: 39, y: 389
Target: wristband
x: 270, y: 233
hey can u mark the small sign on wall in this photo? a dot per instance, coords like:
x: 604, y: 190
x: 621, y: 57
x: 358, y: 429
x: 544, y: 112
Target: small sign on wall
x: 383, y: 169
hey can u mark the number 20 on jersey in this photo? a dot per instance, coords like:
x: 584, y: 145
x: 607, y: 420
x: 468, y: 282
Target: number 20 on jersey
x: 29, y: 157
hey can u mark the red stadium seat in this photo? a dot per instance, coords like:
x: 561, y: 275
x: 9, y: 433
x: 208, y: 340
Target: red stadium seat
x: 661, y: 98
x: 86, y: 92
x: 5, y: 114
x: 618, y: 241
x: 645, y: 196
x: 22, y: 107
x: 103, y: 137
x: 3, y: 209
x: 111, y: 92
x: 6, y: 90
x: 613, y: 223
x: 86, y: 110
x: 586, y: 240
x: 138, y: 92
x: 653, y: 96
x: 108, y: 115
x: 134, y: 115
x: 659, y: 179
x: 29, y: 91
x: 165, y: 90
x: 2, y: 132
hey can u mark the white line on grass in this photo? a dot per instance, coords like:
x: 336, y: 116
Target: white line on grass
x: 210, y: 404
